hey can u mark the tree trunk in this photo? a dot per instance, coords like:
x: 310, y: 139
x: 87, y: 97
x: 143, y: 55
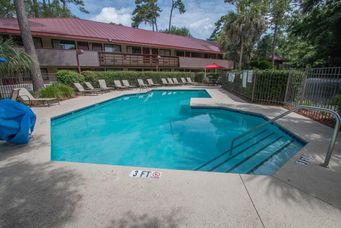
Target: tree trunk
x: 274, y: 45
x: 27, y: 39
x: 156, y: 28
x: 241, y: 53
x: 170, y: 17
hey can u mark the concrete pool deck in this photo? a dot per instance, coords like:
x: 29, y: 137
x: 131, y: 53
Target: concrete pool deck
x: 37, y: 192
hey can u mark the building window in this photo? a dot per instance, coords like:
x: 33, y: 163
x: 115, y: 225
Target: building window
x: 187, y: 54
x: 96, y: 47
x: 44, y: 74
x: 164, y: 52
x: 112, y: 48
x: 37, y: 42
x: 17, y: 41
x: 83, y: 45
x: 26, y: 76
x: 134, y: 50
x: 180, y: 53
x: 64, y: 44
x: 196, y: 55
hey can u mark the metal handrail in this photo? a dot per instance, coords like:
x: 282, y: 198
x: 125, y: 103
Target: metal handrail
x: 306, y: 107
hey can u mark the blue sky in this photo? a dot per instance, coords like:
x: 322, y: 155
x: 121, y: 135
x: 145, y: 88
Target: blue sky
x: 199, y: 18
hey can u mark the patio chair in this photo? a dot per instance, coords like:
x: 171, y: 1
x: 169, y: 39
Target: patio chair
x: 170, y: 81
x: 151, y: 82
x: 127, y: 84
x: 141, y: 84
x: 91, y: 87
x: 164, y: 81
x: 118, y: 85
x: 189, y: 80
x: 176, y: 82
x: 103, y: 85
x: 15, y: 94
x: 183, y: 80
x: 82, y: 91
x: 26, y: 97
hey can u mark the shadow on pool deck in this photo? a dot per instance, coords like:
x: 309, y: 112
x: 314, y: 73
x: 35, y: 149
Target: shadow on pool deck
x: 131, y: 220
x: 8, y: 150
x: 37, y: 195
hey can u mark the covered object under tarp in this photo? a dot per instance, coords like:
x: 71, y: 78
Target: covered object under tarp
x: 16, y: 122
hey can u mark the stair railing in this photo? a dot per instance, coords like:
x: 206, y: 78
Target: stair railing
x: 300, y: 107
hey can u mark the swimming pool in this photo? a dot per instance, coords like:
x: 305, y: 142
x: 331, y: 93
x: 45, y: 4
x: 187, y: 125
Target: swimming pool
x: 159, y: 129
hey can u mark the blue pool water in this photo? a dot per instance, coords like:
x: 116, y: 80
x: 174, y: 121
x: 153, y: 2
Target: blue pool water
x: 159, y: 129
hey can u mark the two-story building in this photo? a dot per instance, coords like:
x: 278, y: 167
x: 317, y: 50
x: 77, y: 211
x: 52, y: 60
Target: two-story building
x: 109, y: 47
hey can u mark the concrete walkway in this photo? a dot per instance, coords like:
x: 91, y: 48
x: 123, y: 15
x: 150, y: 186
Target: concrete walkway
x: 36, y: 192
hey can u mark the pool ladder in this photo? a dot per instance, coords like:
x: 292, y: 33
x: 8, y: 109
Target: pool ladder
x: 283, y: 146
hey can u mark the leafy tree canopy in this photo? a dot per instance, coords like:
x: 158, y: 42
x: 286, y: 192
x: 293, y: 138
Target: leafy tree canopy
x: 16, y: 59
x: 43, y: 8
x: 146, y: 11
x: 181, y: 31
x: 303, y: 32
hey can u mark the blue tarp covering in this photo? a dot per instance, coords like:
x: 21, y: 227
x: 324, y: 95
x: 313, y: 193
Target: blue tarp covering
x: 16, y: 122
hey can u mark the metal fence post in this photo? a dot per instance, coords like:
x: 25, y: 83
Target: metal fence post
x: 253, y: 86
x: 304, y: 84
x: 287, y: 88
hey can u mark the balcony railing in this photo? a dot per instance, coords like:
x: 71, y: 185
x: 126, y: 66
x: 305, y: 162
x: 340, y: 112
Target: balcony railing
x: 137, y: 60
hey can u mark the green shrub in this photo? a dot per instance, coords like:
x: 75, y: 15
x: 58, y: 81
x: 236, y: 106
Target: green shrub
x: 337, y: 102
x: 270, y: 85
x: 69, y: 77
x: 57, y: 90
x: 199, y: 77
x: 90, y: 76
x: 261, y: 64
x: 132, y: 76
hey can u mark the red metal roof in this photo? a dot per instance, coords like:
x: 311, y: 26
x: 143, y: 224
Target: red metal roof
x: 98, y: 31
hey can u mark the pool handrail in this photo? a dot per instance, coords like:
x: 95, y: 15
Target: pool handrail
x: 299, y: 107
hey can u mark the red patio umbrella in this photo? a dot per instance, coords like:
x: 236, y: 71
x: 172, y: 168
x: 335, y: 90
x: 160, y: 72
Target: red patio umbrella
x: 213, y: 66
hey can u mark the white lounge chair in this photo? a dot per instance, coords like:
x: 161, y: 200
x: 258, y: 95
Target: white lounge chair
x: 119, y: 85
x: 103, y: 85
x: 141, y: 84
x: 127, y: 84
x: 15, y: 94
x: 91, y: 87
x: 170, y: 81
x: 183, y: 80
x: 176, y: 82
x: 151, y: 83
x: 82, y: 91
x: 164, y: 81
x: 189, y: 80
x: 26, y: 97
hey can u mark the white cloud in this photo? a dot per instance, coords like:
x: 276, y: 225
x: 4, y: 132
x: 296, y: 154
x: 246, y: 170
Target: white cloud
x: 111, y: 14
x: 199, y: 17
